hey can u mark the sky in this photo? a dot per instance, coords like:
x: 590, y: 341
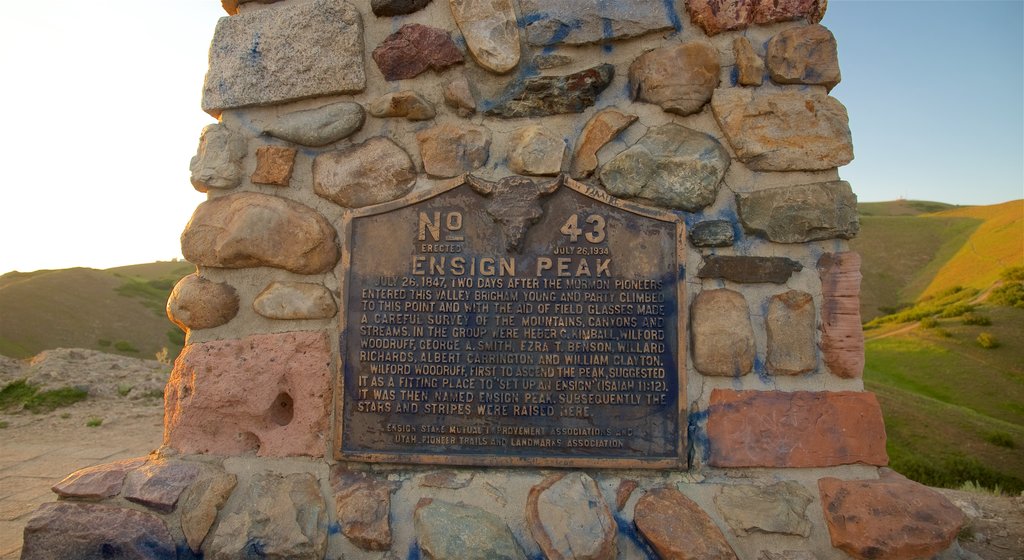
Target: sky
x: 101, y: 116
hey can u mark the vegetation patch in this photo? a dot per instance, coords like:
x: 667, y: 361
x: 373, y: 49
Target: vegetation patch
x: 953, y: 302
x: 954, y: 472
x: 975, y: 319
x: 152, y: 293
x: 1001, y: 439
x: 20, y: 393
x: 125, y: 346
x: 987, y: 341
x: 94, y: 422
x: 15, y: 394
x: 48, y: 401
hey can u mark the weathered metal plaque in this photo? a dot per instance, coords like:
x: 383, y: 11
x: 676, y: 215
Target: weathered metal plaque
x: 513, y: 323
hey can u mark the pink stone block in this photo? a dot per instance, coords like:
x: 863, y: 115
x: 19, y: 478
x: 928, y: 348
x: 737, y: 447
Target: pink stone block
x: 266, y: 394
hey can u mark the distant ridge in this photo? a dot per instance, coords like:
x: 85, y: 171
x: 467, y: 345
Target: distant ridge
x: 118, y: 310
x: 912, y: 249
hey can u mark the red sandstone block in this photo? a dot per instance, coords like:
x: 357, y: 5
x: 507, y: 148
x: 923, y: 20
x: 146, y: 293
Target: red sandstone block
x: 799, y: 429
x: 892, y: 517
x: 269, y: 394
x: 842, y: 338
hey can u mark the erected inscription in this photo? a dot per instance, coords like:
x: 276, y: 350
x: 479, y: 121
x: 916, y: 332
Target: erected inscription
x: 541, y: 328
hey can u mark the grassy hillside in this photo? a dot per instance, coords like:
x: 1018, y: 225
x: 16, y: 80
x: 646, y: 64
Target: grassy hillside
x: 120, y: 310
x: 954, y: 410
x: 913, y: 249
x: 996, y: 244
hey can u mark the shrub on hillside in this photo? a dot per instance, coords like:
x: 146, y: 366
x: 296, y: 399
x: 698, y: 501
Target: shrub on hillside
x: 1001, y: 439
x: 956, y: 310
x: 987, y: 340
x: 1008, y: 295
x: 952, y: 472
x: 929, y: 322
x: 125, y: 346
x: 1013, y: 274
x: 947, y: 303
x: 975, y: 319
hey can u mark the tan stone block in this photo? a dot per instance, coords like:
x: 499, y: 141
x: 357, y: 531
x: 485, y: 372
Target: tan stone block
x: 749, y: 66
x: 569, y: 518
x: 536, y: 151
x: 490, y: 30
x: 376, y: 171
x: 797, y: 429
x: 804, y: 55
x: 198, y: 303
x: 274, y: 165
x: 599, y: 130
x: 784, y: 130
x: 679, y: 78
x: 723, y: 338
x: 245, y: 230
x: 791, y: 324
x: 449, y: 150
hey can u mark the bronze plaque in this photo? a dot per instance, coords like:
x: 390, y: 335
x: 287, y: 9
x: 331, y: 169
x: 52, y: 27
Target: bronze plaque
x: 519, y: 322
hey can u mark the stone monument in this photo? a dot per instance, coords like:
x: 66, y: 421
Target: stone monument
x: 515, y: 279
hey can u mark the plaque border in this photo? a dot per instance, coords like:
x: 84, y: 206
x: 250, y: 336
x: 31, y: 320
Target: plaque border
x: 497, y: 460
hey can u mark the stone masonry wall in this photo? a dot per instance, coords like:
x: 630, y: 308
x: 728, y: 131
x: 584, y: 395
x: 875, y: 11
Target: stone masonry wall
x: 717, y: 110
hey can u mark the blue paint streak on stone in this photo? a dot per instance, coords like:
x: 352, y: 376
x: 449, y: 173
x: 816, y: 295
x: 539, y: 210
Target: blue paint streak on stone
x: 606, y: 28
x: 334, y: 528
x: 414, y: 551
x: 254, y: 550
x: 628, y: 529
x: 762, y: 371
x: 531, y: 18
x: 697, y: 433
x: 185, y: 553
x: 734, y: 76
x: 673, y: 15
x: 255, y: 56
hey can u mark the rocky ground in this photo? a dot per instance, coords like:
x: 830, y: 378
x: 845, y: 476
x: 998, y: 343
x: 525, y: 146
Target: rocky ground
x: 37, y: 450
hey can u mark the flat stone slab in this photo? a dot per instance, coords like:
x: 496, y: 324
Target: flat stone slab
x: 678, y: 529
x: 98, y: 482
x: 446, y: 531
x: 553, y: 95
x: 569, y: 518
x: 801, y: 213
x: 578, y: 22
x: 284, y: 53
x: 76, y: 531
x: 158, y: 485
x: 749, y: 270
x: 795, y: 429
x: 784, y: 130
x: 892, y: 517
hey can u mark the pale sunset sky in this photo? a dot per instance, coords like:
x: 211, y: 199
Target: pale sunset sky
x: 101, y: 116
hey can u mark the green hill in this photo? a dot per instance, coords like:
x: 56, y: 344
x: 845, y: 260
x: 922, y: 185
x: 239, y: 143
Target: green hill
x: 954, y: 408
x: 912, y: 249
x: 119, y: 310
